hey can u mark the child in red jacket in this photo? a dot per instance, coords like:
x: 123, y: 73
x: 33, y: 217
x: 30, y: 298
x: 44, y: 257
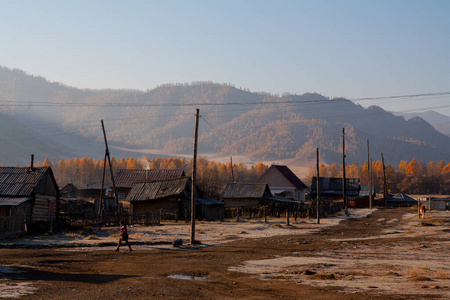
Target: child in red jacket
x: 123, y: 235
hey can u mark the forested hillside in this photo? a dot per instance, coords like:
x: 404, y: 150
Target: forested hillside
x: 233, y: 121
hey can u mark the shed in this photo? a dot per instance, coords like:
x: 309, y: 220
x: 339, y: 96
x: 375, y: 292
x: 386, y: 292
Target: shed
x: 283, y: 182
x: 172, y: 196
x: 401, y: 199
x: 30, y: 192
x: 250, y: 195
x: 332, y: 188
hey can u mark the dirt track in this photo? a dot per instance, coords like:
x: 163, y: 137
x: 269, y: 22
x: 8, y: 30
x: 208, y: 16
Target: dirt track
x: 228, y: 270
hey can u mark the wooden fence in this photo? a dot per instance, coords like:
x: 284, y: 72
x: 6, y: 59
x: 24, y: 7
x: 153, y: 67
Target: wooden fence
x: 107, y: 220
x: 12, y: 225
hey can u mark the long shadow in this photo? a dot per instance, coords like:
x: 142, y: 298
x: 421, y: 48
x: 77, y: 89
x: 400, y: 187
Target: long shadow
x: 20, y: 273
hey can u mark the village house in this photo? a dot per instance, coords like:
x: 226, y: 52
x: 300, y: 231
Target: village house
x: 29, y: 193
x: 69, y: 191
x: 126, y: 178
x: 172, y: 197
x: 283, y: 183
x: 331, y: 188
x: 252, y: 197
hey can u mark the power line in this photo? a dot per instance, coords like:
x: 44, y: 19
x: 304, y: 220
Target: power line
x: 21, y: 103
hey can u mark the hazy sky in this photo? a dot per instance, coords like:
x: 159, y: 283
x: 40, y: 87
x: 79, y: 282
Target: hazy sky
x: 338, y: 48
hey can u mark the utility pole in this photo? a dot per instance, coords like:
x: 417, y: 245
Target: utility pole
x: 194, y: 174
x: 371, y: 181
x: 318, y: 187
x: 232, y: 172
x: 384, y: 182
x: 103, y: 176
x: 344, y: 184
x: 369, y: 177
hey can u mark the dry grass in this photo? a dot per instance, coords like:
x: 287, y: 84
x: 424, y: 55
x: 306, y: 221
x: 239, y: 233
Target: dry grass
x: 392, y: 273
x: 320, y: 276
x: 441, y: 274
x: 421, y: 278
x: 74, y: 235
x: 357, y: 273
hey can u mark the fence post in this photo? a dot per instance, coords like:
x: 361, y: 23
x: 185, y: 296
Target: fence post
x: 265, y: 215
x: 287, y: 216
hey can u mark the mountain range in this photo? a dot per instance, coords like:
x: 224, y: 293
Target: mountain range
x: 439, y: 121
x: 57, y: 121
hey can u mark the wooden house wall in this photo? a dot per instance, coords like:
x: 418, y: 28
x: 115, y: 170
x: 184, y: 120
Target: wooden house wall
x: 210, y: 212
x: 24, y: 209
x: 47, y: 185
x: 242, y: 202
x: 275, y: 179
x: 41, y: 208
x: 170, y: 205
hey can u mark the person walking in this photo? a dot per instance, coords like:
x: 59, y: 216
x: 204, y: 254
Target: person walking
x: 123, y: 235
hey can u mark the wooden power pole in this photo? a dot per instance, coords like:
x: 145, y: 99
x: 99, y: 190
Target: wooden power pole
x: 368, y: 176
x: 194, y: 174
x: 103, y: 176
x: 318, y: 188
x: 384, y: 182
x: 232, y: 172
x: 344, y: 183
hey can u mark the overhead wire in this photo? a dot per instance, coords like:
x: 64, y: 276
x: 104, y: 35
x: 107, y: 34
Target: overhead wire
x: 250, y: 107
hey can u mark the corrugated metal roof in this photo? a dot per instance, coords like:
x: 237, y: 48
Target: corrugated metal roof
x: 68, y: 188
x: 289, y: 175
x: 278, y: 199
x: 330, y: 184
x: 158, y: 189
x: 207, y: 201
x: 125, y: 178
x: 6, y: 201
x: 365, y: 190
x: 19, y: 181
x: 245, y: 190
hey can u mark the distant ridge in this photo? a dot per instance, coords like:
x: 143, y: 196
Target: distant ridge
x: 233, y: 122
x: 439, y: 121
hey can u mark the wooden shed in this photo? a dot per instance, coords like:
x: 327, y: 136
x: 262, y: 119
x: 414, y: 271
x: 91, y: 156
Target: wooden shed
x: 250, y: 196
x: 30, y: 192
x: 172, y: 197
x: 332, y: 188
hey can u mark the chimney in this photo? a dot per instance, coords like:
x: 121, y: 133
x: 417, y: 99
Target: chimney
x: 32, y: 161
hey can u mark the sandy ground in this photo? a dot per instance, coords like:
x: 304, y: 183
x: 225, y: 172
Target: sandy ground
x: 370, y: 254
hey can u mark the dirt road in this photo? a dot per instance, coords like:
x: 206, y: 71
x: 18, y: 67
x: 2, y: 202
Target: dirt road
x: 388, y: 255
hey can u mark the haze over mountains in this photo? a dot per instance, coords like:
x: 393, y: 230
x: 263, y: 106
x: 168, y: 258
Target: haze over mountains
x: 439, y: 121
x: 53, y: 120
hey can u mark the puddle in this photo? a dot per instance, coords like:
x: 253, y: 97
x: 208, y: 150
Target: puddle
x: 10, y: 270
x: 188, y: 277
